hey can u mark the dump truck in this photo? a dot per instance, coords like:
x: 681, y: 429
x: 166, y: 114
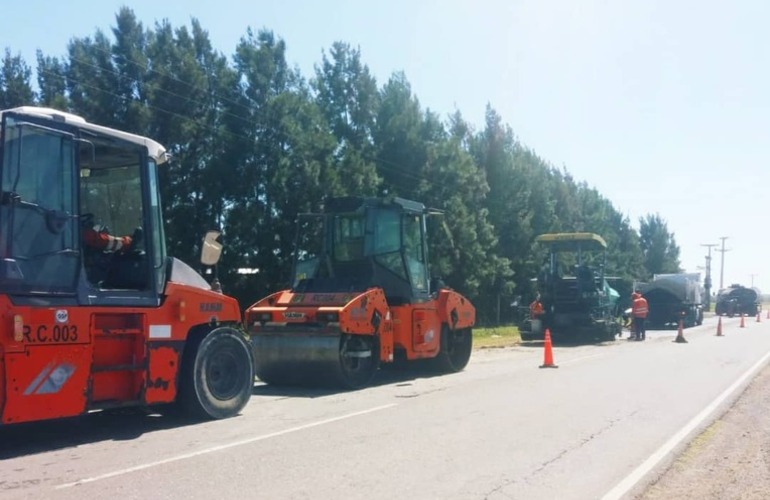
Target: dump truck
x: 87, y: 329
x: 578, y: 302
x: 360, y: 296
x: 738, y: 300
x: 672, y: 298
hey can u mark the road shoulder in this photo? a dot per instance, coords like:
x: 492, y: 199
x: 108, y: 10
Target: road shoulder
x: 730, y: 459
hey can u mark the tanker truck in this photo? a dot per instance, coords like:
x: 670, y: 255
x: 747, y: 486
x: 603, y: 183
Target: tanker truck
x: 737, y: 299
x: 674, y: 297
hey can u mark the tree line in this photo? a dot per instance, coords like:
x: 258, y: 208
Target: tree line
x: 254, y: 142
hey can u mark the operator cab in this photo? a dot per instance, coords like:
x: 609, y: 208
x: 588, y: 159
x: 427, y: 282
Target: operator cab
x: 573, y: 270
x: 60, y: 176
x: 363, y: 243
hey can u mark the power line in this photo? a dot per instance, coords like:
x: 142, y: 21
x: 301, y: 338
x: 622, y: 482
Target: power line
x: 147, y: 69
x: 384, y: 165
x: 394, y: 167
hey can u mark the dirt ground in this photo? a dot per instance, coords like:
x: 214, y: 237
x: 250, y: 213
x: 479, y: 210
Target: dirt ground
x: 730, y: 459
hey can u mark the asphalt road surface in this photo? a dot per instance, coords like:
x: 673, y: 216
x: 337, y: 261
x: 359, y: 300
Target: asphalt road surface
x: 605, y: 424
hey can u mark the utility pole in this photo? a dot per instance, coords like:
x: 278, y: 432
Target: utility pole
x: 707, y: 279
x: 722, y: 263
x: 752, y: 279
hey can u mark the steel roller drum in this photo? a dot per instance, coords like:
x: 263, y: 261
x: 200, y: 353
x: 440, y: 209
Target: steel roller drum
x: 331, y: 360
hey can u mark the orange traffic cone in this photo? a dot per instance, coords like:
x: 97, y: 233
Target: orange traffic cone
x: 548, y: 355
x: 743, y: 322
x: 680, y: 334
x: 719, y: 327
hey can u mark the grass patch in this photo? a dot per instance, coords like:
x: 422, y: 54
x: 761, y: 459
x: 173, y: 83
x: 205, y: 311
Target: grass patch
x: 496, y: 336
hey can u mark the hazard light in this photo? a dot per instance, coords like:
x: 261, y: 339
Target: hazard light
x: 181, y: 312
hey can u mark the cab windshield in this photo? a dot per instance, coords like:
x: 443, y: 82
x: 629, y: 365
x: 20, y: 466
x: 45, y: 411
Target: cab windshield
x: 375, y: 247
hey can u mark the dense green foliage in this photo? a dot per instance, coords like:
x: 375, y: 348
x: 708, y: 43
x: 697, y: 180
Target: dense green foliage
x: 254, y: 143
x: 661, y: 253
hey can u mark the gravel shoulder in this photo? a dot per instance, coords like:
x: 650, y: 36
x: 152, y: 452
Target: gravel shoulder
x: 730, y: 459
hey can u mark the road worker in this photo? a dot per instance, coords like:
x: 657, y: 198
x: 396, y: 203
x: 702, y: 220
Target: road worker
x: 113, y: 261
x: 99, y: 238
x: 536, y: 310
x: 639, y: 310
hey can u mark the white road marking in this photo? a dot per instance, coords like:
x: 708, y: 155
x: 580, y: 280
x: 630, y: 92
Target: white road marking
x: 220, y: 447
x: 630, y: 481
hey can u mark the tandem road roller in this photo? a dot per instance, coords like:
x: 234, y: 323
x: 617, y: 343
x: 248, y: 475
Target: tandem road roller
x: 361, y: 295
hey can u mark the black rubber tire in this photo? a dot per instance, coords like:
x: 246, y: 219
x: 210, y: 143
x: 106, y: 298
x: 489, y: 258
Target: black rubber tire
x: 218, y: 375
x: 357, y: 372
x: 456, y: 348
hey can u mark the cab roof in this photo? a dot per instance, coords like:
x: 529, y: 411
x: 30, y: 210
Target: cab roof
x: 154, y: 149
x: 351, y: 204
x: 572, y: 241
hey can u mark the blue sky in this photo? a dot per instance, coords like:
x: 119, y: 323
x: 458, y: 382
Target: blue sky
x: 664, y: 107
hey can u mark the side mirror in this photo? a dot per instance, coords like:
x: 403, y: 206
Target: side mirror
x: 211, y: 250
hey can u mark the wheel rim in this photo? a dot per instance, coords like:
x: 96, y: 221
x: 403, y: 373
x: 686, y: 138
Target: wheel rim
x: 358, y: 360
x: 224, y: 374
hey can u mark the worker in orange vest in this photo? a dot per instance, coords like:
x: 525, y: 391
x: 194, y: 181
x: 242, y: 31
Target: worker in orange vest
x: 99, y: 238
x: 639, y: 310
x: 536, y: 308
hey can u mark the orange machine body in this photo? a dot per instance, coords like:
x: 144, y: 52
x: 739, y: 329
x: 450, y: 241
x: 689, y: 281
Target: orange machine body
x: 86, y: 327
x: 65, y: 361
x: 364, y: 300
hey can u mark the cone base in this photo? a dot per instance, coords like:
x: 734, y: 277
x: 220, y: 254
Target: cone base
x: 549, y: 366
x: 680, y: 340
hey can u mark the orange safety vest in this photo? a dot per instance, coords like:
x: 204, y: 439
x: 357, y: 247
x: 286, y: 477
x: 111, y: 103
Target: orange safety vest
x: 104, y: 241
x: 535, y: 309
x: 639, y: 307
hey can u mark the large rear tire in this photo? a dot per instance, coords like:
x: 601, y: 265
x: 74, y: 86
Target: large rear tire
x: 455, y: 351
x: 217, y: 375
